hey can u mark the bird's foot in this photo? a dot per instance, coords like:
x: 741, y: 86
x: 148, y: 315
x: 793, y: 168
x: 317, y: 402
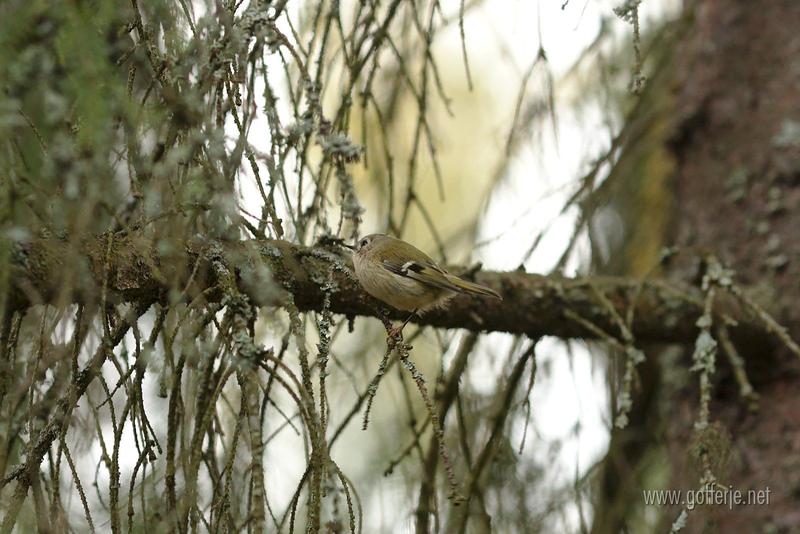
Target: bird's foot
x: 394, y: 334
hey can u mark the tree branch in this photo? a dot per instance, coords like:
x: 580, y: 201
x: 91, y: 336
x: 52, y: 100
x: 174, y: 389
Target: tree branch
x: 532, y: 305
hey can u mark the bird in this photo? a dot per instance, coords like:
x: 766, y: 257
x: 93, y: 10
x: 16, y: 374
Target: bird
x: 402, y: 276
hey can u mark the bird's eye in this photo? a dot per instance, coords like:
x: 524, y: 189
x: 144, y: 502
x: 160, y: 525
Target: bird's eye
x: 363, y: 243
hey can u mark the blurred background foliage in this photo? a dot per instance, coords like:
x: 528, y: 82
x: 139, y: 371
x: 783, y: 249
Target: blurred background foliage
x: 173, y: 120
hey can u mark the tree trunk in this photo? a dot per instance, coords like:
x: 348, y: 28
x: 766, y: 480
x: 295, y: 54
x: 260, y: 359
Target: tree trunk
x: 735, y: 147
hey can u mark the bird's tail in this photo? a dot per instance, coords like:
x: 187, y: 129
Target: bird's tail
x: 471, y: 288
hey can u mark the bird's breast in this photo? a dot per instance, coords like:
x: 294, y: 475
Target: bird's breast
x: 397, y: 291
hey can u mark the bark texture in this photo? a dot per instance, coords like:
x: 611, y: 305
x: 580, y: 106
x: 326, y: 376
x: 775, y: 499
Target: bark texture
x: 737, y: 148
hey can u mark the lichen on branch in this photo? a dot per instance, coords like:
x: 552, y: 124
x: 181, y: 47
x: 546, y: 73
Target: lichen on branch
x: 321, y: 278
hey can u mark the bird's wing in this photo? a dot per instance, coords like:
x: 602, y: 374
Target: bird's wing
x: 424, y: 272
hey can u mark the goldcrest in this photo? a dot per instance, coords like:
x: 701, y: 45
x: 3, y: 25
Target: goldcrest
x: 405, y: 278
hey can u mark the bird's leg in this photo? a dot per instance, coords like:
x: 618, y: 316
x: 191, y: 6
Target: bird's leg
x: 413, y: 313
x: 395, y: 333
x: 384, y: 317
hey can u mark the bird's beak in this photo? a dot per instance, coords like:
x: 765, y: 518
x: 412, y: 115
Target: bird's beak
x: 351, y: 247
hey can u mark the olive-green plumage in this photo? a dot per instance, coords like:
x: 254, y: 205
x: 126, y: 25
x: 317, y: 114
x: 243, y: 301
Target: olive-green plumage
x: 406, y: 278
